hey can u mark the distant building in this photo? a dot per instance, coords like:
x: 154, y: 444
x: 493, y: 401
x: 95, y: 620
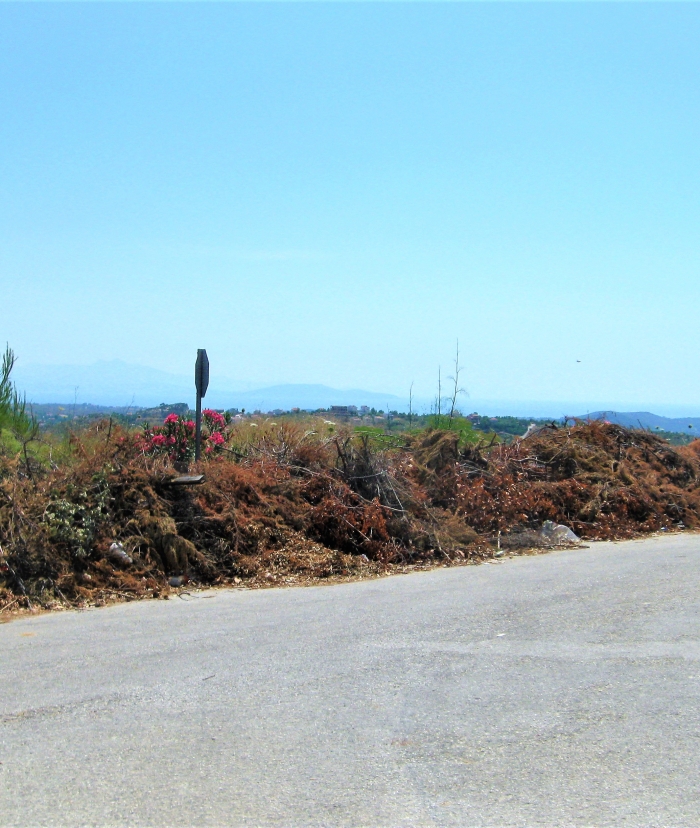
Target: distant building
x: 343, y: 410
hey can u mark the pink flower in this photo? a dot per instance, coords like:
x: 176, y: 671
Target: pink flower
x: 189, y: 424
x: 214, y: 416
x: 158, y: 440
x: 217, y: 438
x: 171, y: 418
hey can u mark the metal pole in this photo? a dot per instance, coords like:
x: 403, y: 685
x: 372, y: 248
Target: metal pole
x: 198, y: 429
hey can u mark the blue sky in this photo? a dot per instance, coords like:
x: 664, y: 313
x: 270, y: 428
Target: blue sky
x: 336, y: 193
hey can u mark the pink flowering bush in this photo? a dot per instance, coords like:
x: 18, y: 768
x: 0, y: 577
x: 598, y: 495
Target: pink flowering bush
x: 176, y: 437
x: 213, y: 418
x: 215, y: 440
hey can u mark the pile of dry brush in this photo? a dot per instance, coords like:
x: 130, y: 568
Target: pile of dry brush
x: 295, y: 506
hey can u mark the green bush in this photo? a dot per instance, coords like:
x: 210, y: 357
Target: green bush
x: 73, y: 520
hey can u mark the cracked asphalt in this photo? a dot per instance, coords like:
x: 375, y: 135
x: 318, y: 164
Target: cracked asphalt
x: 554, y: 690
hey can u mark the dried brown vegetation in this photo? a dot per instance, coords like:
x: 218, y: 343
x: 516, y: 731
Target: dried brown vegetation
x: 289, y: 505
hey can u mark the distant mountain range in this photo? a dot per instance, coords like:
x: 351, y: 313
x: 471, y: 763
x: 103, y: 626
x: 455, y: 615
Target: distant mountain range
x: 645, y: 419
x: 117, y: 383
x: 104, y: 383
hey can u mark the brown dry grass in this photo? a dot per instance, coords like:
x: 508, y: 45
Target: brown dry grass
x: 294, y: 505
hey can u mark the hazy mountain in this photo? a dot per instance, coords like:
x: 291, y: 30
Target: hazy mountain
x: 118, y: 383
x: 645, y: 419
x: 112, y: 383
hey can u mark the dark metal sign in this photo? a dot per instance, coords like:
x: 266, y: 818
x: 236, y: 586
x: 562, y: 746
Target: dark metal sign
x: 201, y: 372
x: 201, y: 381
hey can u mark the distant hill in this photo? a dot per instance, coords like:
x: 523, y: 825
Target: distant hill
x: 312, y: 397
x: 114, y: 383
x: 117, y: 384
x: 645, y: 419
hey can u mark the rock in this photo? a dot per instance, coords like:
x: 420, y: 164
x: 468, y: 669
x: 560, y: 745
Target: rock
x: 558, y: 533
x: 118, y: 555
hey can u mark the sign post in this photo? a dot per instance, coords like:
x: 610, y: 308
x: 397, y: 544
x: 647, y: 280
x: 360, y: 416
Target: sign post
x: 201, y: 382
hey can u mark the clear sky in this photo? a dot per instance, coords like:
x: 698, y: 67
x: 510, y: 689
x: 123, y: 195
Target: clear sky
x: 332, y: 193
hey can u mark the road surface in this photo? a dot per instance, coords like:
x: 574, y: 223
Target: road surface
x: 557, y: 690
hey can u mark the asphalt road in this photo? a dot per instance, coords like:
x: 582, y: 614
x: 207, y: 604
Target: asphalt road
x: 554, y: 690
